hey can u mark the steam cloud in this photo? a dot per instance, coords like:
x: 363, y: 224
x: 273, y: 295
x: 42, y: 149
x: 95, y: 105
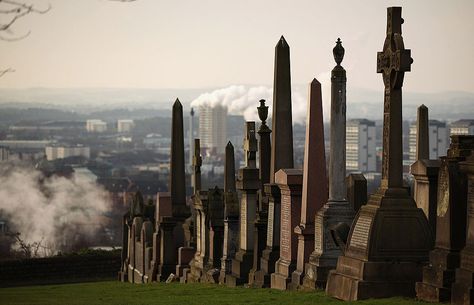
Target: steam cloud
x: 243, y: 100
x: 56, y: 210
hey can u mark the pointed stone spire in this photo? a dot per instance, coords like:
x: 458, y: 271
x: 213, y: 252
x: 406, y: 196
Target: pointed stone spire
x: 422, y: 134
x: 229, y: 170
x: 177, y: 178
x: 315, y: 188
x: 282, y: 136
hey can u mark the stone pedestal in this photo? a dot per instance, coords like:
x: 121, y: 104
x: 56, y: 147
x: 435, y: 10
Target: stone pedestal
x: 248, y: 184
x: 168, y: 245
x: 290, y: 182
x: 260, y: 242
x: 425, y: 192
x: 356, y: 191
x: 231, y: 238
x: 271, y: 253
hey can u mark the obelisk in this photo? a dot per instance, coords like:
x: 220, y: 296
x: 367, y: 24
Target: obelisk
x: 390, y: 238
x: 231, y: 214
x: 337, y: 210
x: 425, y: 171
x: 281, y: 157
x: 315, y: 186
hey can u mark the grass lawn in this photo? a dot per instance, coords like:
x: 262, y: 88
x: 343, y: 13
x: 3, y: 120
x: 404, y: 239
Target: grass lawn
x: 161, y: 293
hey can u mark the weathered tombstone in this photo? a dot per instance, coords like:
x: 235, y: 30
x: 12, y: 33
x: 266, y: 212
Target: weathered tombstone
x: 281, y: 157
x: 337, y: 210
x: 163, y: 209
x: 123, y: 272
x: 201, y: 256
x: 356, y: 191
x: 390, y: 238
x: 231, y: 215
x: 260, y: 231
x: 290, y: 182
x: 315, y: 190
x: 451, y: 223
x: 425, y: 171
x: 248, y: 184
x: 171, y: 228
x: 215, y: 213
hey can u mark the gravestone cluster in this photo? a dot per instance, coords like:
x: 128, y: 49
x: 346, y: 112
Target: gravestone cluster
x: 280, y: 227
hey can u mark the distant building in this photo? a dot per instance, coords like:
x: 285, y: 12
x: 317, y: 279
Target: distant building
x: 360, y: 145
x: 65, y: 151
x: 125, y: 126
x: 213, y: 128
x: 96, y: 126
x: 462, y: 127
x: 4, y: 153
x: 25, y: 144
x: 438, y: 140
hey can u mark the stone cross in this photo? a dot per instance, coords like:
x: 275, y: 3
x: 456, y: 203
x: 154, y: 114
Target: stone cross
x: 393, y: 62
x: 250, y: 145
x: 422, y: 134
x: 282, y: 136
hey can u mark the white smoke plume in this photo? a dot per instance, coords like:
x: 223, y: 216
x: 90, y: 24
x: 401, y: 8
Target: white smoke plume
x: 243, y: 100
x: 54, y: 210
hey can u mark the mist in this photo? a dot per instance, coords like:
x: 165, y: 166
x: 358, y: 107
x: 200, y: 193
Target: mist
x: 55, y: 210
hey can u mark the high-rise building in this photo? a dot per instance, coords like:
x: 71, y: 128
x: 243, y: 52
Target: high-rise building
x: 213, y: 128
x: 125, y: 126
x: 462, y: 127
x: 438, y: 140
x: 65, y: 151
x: 96, y: 126
x: 360, y: 145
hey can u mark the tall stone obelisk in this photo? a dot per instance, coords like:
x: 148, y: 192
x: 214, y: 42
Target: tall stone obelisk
x: 390, y: 238
x: 231, y: 215
x: 171, y: 228
x: 281, y: 157
x: 337, y: 210
x: 422, y: 134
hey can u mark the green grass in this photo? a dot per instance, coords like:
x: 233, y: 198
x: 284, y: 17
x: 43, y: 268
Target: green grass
x: 161, y: 293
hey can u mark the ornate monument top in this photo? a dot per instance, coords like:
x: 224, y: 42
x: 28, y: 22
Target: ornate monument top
x: 338, y: 52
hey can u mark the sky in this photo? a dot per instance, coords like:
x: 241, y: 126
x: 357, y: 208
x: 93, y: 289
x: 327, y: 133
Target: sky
x: 216, y: 43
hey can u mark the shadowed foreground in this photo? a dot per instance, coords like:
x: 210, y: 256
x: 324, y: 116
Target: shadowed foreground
x: 160, y: 293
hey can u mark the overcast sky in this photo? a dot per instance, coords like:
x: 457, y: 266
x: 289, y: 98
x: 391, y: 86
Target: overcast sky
x: 213, y: 43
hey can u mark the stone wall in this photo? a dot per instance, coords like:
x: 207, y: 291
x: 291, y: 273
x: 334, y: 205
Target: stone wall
x: 59, y: 269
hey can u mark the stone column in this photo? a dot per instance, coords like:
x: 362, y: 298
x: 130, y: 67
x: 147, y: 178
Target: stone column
x: 174, y: 225
x: 260, y: 231
x: 390, y: 238
x: 248, y: 184
x: 281, y: 157
x: 290, y: 182
x: 425, y: 171
x: 315, y: 186
x: 337, y: 210
x: 231, y: 215
x: 216, y: 234
x: 439, y: 274
x: 356, y: 191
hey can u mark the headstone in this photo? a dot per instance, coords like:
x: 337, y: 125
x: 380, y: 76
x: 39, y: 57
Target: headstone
x: 248, y: 184
x: 281, y: 157
x: 463, y: 286
x: 439, y: 274
x: 216, y: 235
x: 171, y: 228
x: 356, y: 190
x: 260, y: 230
x: 201, y: 256
x: 163, y: 209
x: 290, y: 182
x: 315, y: 186
x: 337, y: 210
x: 231, y: 215
x: 425, y: 171
x: 390, y: 238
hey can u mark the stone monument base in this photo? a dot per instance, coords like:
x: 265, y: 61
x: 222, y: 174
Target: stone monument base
x: 267, y: 267
x: 241, y: 265
x: 281, y: 279
x: 387, y: 247
x: 438, y: 276
x: 364, y: 280
x: 463, y: 289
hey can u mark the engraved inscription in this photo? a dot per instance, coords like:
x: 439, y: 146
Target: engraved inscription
x: 243, y: 223
x: 271, y: 217
x: 285, y: 241
x: 361, y: 232
x: 318, y: 235
x: 443, y: 190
